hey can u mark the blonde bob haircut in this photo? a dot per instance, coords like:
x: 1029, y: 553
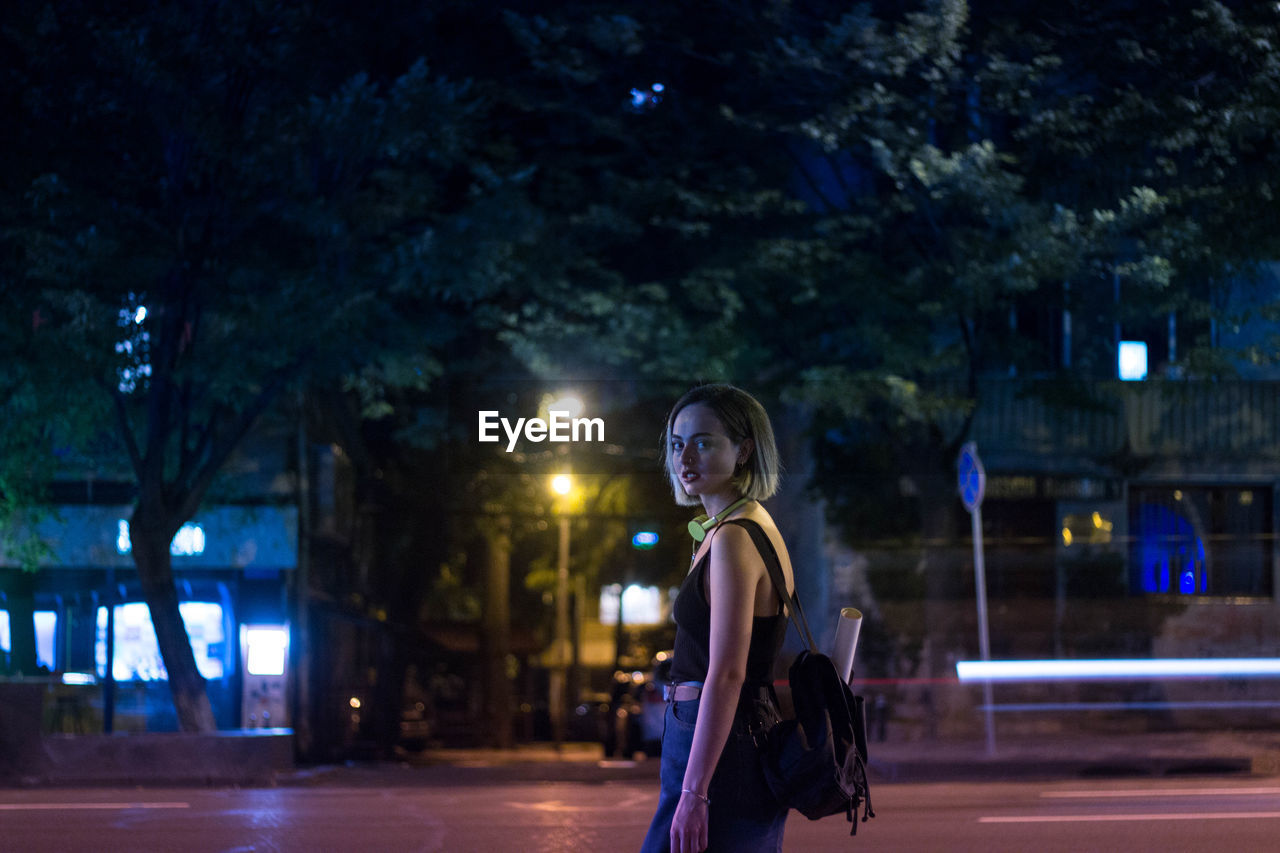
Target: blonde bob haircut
x: 742, y: 417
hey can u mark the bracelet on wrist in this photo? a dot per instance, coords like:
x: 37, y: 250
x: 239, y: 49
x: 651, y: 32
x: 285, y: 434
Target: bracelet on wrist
x: 706, y: 800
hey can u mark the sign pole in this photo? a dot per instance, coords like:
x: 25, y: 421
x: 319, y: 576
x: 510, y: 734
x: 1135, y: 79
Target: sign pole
x: 973, y: 484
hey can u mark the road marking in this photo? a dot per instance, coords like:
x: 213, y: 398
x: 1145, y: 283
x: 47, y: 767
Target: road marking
x: 23, y: 807
x: 1102, y: 818
x: 1162, y: 792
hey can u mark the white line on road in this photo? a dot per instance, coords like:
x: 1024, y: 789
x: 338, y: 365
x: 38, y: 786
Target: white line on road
x: 23, y: 807
x: 1165, y: 792
x: 1091, y: 818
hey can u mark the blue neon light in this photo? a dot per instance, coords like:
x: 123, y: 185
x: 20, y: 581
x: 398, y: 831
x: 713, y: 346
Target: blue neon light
x: 644, y: 540
x: 1171, y: 557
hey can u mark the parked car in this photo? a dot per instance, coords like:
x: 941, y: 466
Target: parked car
x: 636, y: 710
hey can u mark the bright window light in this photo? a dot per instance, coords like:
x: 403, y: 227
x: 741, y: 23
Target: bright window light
x: 1133, y: 360
x: 641, y: 605
x: 1062, y: 670
x: 610, y: 601
x: 46, y: 625
x: 268, y: 648
x: 137, y: 654
x: 46, y: 632
x: 189, y: 541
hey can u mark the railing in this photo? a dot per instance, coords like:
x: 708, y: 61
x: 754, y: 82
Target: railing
x: 1239, y: 419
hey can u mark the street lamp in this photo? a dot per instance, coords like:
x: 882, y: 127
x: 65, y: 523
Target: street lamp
x: 562, y: 485
x: 571, y: 404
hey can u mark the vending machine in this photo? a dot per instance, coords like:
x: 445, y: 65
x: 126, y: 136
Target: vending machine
x: 264, y: 655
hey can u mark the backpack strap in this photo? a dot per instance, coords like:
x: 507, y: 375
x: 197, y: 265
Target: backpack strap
x: 774, y: 565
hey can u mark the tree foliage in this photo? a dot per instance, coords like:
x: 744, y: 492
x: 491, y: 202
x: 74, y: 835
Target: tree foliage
x: 869, y: 207
x: 212, y: 217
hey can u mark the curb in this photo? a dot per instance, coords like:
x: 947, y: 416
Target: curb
x: 988, y: 770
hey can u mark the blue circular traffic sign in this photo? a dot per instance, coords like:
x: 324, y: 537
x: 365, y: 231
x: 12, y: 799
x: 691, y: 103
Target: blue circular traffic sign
x: 971, y: 475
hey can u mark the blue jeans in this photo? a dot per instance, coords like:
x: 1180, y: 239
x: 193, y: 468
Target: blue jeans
x: 743, y: 816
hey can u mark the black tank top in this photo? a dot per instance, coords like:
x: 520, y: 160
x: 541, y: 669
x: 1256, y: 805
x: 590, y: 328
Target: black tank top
x: 692, y: 612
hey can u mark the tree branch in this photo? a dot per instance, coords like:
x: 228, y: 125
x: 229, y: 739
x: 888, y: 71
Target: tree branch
x: 809, y: 180
x: 126, y: 429
x: 221, y: 447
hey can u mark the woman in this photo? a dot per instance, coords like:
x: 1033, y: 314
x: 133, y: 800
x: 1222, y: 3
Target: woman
x: 720, y: 452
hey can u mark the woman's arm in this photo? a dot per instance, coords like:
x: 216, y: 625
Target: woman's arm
x: 734, y: 573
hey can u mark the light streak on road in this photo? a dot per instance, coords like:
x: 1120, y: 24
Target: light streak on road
x: 1112, y: 818
x: 1056, y: 670
x: 34, y: 807
x: 1165, y: 792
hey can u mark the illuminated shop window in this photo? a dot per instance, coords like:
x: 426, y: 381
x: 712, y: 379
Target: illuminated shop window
x: 46, y: 632
x: 46, y: 624
x: 137, y: 654
x: 1171, y: 554
x: 641, y: 605
x: 1201, y: 540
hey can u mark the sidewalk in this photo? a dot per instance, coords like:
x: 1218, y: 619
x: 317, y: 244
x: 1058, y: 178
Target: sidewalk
x: 237, y: 759
x: 1062, y: 756
x: 1078, y: 755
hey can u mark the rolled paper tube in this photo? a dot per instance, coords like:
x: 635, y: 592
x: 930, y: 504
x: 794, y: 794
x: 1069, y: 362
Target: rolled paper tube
x: 846, y: 642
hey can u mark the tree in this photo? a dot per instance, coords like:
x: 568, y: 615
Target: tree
x: 863, y: 198
x: 213, y: 216
x: 845, y: 204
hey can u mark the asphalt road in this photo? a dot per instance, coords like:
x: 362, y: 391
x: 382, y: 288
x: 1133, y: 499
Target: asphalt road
x: 1187, y: 814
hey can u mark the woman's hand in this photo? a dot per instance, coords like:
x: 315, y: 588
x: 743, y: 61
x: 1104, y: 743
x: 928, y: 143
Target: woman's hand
x: 689, y: 826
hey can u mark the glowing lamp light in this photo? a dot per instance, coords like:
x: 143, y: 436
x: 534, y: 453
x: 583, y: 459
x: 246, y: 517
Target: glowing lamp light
x: 1063, y: 670
x: 1133, y: 360
x: 78, y: 678
x: 569, y: 403
x: 268, y: 649
x: 644, y: 540
x: 562, y: 484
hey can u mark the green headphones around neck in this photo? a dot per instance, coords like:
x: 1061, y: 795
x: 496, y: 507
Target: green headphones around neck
x: 701, y: 526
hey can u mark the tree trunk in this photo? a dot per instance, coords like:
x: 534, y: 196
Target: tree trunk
x: 19, y: 588
x: 150, y: 539
x: 496, y: 638
x: 801, y: 518
x: 300, y: 604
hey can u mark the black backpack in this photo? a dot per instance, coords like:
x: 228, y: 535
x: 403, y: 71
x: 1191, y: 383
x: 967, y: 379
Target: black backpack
x: 816, y: 762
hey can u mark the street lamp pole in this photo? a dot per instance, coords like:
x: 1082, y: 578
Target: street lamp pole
x: 562, y: 485
x: 557, y: 704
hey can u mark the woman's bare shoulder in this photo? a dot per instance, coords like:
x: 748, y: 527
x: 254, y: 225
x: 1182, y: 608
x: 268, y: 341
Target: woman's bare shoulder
x: 733, y: 541
x: 761, y: 516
